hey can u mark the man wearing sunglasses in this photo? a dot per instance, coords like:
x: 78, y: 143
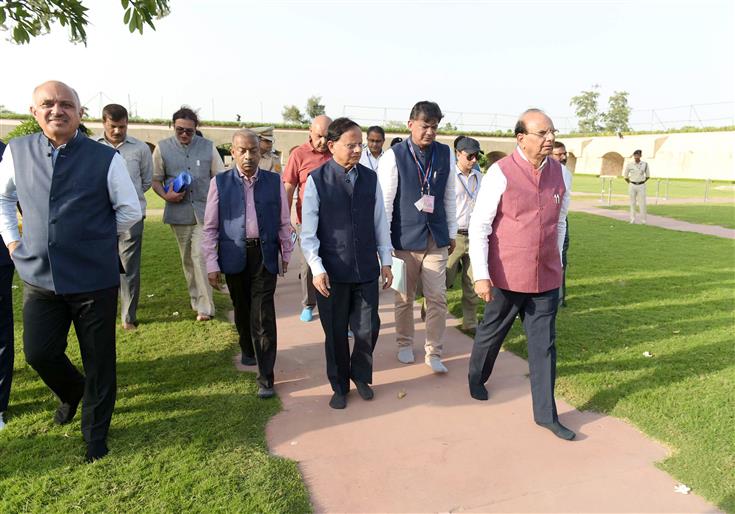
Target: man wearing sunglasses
x: 187, y: 152
x: 467, y: 184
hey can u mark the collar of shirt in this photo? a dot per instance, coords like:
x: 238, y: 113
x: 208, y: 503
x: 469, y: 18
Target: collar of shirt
x: 523, y: 156
x: 350, y: 174
x: 423, y: 155
x: 249, y: 181
x: 369, y: 154
x: 102, y: 139
x: 472, y: 172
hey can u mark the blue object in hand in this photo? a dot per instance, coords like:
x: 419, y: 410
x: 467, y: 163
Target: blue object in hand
x: 180, y: 183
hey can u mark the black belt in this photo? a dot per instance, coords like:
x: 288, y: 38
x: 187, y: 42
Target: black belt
x: 463, y: 232
x: 637, y: 183
x: 251, y: 243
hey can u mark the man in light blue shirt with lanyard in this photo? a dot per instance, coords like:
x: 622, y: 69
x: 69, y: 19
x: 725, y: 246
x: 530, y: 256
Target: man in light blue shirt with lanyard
x: 467, y: 184
x: 373, y: 151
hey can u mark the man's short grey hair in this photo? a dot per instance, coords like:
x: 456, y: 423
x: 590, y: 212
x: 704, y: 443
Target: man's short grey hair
x: 245, y: 133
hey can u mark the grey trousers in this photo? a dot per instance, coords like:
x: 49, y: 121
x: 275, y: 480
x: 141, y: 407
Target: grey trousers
x: 129, y: 246
x: 538, y: 315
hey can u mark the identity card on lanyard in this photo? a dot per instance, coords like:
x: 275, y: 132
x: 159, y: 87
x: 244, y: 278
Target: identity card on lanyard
x: 426, y: 202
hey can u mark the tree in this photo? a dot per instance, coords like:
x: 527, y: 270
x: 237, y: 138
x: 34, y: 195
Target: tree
x: 30, y: 18
x: 448, y: 126
x: 292, y: 114
x: 313, y: 107
x: 585, y: 106
x: 618, y: 112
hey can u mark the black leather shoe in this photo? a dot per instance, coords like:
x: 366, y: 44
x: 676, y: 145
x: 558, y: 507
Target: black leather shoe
x: 248, y: 361
x: 338, y: 401
x: 478, y: 392
x: 96, y: 450
x: 65, y: 411
x: 266, y: 392
x: 558, y: 430
x: 364, y: 390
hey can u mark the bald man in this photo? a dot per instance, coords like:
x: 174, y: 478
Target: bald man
x: 77, y: 197
x: 516, y: 235
x: 303, y: 160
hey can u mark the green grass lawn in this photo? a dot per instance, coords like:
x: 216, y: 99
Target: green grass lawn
x: 188, y: 430
x: 722, y: 215
x: 153, y: 200
x: 677, y: 188
x: 635, y: 289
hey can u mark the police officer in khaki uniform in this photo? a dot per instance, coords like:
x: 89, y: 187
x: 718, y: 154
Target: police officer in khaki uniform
x: 270, y: 159
x: 636, y: 174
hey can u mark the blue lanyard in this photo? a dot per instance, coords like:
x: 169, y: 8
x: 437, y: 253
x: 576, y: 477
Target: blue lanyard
x: 471, y: 194
x: 423, y: 174
x: 370, y: 161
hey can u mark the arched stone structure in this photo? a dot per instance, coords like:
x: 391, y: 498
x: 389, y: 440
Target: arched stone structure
x: 612, y: 164
x: 571, y: 161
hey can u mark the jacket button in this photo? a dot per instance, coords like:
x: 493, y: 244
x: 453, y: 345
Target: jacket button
x: 52, y: 243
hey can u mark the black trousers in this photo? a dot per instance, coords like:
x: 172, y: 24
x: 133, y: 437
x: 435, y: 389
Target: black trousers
x: 252, y: 293
x: 538, y: 315
x: 356, y: 306
x: 47, y: 317
x: 7, y: 352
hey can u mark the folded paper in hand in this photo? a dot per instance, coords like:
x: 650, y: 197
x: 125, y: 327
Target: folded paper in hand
x: 399, y: 275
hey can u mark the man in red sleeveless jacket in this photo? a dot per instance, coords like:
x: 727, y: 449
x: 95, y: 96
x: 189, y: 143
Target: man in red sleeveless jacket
x: 516, y: 234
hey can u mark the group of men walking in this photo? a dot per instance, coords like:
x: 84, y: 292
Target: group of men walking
x: 361, y: 210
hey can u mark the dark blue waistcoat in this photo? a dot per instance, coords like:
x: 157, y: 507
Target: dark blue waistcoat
x: 4, y: 255
x: 69, y: 242
x: 409, y: 228
x: 232, y: 254
x: 346, y: 229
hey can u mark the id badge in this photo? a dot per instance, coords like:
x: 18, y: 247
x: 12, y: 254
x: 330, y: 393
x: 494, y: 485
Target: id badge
x: 428, y: 203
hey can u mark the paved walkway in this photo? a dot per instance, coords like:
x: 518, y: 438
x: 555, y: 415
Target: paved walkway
x: 591, y: 206
x: 423, y: 445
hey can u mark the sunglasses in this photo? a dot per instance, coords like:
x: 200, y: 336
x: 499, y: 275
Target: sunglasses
x: 182, y: 130
x: 472, y: 157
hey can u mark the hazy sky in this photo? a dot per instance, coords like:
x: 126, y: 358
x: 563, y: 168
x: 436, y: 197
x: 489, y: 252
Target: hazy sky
x: 491, y: 57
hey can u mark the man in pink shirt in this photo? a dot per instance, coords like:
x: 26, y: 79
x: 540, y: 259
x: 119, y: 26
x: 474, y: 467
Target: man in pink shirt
x: 247, y: 236
x: 302, y: 161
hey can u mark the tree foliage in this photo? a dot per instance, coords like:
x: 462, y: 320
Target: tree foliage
x: 588, y: 114
x: 292, y: 114
x: 25, y: 19
x: 313, y: 107
x: 591, y: 119
x: 26, y: 128
x: 618, y: 112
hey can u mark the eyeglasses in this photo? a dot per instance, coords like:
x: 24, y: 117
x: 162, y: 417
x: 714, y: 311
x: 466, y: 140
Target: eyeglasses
x: 353, y: 146
x: 473, y: 157
x: 551, y: 133
x: 182, y: 130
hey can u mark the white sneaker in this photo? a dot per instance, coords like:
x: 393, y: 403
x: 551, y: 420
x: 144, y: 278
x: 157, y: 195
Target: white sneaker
x: 435, y: 363
x: 405, y: 355
x: 2, y: 423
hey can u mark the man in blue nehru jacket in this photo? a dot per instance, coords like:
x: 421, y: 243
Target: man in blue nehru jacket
x: 343, y: 233
x: 247, y: 230
x: 77, y: 197
x: 6, y: 324
x: 420, y: 205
